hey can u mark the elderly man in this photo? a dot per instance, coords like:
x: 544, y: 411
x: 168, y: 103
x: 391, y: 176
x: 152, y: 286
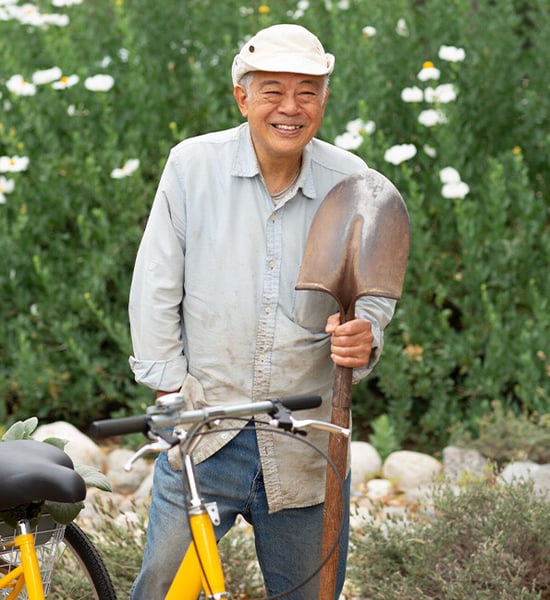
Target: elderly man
x: 214, y: 311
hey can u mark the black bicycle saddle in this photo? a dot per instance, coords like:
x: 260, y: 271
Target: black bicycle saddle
x: 32, y: 471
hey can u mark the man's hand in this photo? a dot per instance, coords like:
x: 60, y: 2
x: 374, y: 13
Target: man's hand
x: 351, y: 342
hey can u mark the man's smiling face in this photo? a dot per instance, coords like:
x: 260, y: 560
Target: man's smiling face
x: 284, y: 111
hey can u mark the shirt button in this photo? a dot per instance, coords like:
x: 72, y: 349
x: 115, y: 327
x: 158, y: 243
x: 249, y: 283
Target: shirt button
x: 271, y: 264
x: 267, y: 310
x: 273, y: 217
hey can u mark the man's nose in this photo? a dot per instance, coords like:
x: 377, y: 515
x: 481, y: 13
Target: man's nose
x: 289, y: 103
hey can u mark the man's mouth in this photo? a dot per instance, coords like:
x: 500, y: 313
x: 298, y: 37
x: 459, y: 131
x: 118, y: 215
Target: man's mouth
x: 287, y: 127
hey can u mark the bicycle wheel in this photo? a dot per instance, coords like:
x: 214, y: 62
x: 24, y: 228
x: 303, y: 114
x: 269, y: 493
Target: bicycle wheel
x: 79, y: 571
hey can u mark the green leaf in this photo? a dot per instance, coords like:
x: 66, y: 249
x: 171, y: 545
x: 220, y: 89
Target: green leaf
x: 63, y: 512
x: 93, y: 477
x: 57, y: 442
x: 21, y: 430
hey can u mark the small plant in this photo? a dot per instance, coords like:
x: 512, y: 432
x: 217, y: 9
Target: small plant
x: 62, y: 512
x: 384, y: 437
x: 487, y: 541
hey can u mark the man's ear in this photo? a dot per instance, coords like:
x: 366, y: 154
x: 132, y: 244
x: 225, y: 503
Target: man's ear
x: 241, y: 97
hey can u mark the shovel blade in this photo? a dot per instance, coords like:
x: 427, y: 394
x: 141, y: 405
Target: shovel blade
x: 358, y: 244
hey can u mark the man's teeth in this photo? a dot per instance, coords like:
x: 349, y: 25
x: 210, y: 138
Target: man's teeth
x: 288, y: 127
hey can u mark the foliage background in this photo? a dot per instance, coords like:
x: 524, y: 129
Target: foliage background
x: 474, y: 322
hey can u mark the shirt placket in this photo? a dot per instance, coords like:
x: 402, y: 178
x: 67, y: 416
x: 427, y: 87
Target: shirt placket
x: 266, y: 338
x: 267, y: 314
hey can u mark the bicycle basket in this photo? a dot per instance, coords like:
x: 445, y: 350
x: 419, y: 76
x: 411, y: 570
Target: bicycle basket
x: 47, y: 537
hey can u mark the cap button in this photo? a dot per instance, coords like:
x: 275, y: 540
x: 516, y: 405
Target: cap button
x: 251, y: 48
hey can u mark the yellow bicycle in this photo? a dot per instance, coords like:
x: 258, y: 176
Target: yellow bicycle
x: 37, y: 554
x: 168, y: 424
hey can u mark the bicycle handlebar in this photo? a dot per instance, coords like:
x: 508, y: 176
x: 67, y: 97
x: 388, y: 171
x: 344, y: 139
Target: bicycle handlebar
x: 144, y: 423
x: 120, y: 426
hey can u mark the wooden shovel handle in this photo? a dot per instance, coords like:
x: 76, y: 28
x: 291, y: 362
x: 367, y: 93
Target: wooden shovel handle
x: 333, y: 510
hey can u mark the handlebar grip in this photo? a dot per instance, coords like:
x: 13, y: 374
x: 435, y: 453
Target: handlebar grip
x: 121, y: 426
x: 301, y: 402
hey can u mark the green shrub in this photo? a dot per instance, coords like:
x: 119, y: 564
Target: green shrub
x: 474, y: 320
x: 486, y: 542
x: 503, y: 436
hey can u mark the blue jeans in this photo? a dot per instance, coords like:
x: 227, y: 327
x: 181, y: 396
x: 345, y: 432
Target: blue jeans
x: 288, y: 542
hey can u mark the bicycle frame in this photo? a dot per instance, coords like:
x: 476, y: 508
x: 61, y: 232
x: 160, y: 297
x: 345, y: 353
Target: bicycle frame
x: 201, y: 568
x: 28, y: 572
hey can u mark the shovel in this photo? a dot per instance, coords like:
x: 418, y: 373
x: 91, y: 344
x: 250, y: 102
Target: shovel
x: 358, y: 245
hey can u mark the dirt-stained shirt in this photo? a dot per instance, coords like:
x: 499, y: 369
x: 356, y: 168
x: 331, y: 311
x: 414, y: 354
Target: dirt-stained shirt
x: 213, y: 295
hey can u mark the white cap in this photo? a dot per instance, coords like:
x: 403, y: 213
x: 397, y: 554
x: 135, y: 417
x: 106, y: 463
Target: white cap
x: 282, y: 48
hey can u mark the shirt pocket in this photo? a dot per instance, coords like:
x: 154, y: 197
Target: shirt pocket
x: 311, y: 309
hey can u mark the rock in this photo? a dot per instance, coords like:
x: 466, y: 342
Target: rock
x: 541, y: 477
x: 518, y: 471
x: 145, y: 488
x: 81, y: 449
x: 379, y: 488
x: 459, y: 461
x: 126, y: 481
x: 528, y: 471
x: 408, y: 470
x: 365, y: 463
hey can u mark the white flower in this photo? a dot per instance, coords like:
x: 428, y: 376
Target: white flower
x: 449, y: 175
x: 55, y: 19
x: 431, y: 117
x: 412, y: 94
x: 441, y: 94
x: 451, y: 53
x: 6, y: 187
x: 343, y: 4
x: 397, y: 154
x: 428, y: 72
x: 123, y: 54
x: 17, y: 85
x: 368, y: 31
x: 129, y: 167
x: 99, y: 83
x: 13, y: 164
x: 360, y: 126
x: 61, y: 3
x: 401, y: 28
x: 46, y: 75
x: 453, y: 186
x: 349, y: 140
x: 429, y: 151
x: 27, y: 14
x: 457, y: 189
x: 65, y: 82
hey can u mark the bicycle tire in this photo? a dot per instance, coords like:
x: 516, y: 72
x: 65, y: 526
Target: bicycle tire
x: 80, y: 572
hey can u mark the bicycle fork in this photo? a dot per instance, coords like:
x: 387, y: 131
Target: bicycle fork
x: 201, y: 568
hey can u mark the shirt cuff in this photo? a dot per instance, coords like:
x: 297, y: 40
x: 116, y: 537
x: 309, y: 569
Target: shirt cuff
x: 165, y: 375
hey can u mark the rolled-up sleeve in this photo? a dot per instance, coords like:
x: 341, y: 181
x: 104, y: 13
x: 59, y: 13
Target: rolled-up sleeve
x: 379, y: 311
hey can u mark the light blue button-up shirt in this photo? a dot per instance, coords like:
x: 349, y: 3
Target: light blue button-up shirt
x: 213, y: 294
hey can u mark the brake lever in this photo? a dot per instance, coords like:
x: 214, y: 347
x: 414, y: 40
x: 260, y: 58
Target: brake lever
x: 158, y: 446
x: 298, y: 424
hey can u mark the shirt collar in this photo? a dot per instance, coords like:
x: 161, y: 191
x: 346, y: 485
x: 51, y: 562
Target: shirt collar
x: 245, y: 163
